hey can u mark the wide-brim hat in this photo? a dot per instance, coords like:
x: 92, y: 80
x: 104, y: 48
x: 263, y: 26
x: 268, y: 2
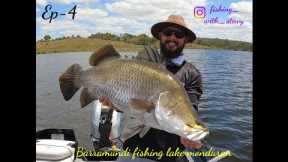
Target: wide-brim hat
x: 175, y: 21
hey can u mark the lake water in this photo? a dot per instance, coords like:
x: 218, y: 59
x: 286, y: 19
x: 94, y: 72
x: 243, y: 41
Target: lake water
x: 225, y: 106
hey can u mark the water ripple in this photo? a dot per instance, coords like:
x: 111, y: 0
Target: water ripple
x: 225, y: 106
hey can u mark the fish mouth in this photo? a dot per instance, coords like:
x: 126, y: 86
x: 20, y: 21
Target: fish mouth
x: 198, y: 135
x: 195, y: 133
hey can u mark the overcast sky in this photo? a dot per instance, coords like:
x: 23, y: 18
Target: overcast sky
x: 137, y: 17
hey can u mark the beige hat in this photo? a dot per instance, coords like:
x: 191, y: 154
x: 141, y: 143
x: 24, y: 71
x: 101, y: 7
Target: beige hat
x: 176, y: 21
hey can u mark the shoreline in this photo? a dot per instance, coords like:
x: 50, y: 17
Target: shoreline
x: 132, y: 51
x: 91, y: 45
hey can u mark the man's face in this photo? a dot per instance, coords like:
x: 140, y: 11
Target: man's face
x: 172, y: 41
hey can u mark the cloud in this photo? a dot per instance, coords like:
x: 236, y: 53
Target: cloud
x: 41, y: 2
x: 44, y: 2
x: 223, y: 31
x: 100, y: 21
x: 137, y: 17
x: 151, y: 10
x: 245, y: 10
x: 74, y: 1
x: 242, y: 6
x: 118, y: 25
x: 62, y: 28
x: 244, y: 14
x: 90, y: 15
x: 62, y: 1
x: 228, y: 31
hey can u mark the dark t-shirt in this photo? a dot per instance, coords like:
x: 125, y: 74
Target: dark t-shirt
x: 156, y: 140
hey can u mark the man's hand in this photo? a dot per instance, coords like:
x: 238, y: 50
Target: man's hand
x: 191, y: 144
x: 106, y: 102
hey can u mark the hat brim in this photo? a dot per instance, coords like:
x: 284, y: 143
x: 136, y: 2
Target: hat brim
x: 157, y: 28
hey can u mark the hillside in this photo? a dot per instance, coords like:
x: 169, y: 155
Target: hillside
x: 128, y: 43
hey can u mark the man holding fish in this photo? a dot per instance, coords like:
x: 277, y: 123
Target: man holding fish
x: 160, y: 106
x: 173, y: 35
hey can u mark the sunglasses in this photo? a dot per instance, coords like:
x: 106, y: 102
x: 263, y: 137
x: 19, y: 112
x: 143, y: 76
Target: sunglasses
x: 177, y: 33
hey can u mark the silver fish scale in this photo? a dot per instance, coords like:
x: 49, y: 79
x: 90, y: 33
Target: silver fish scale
x: 121, y: 80
x: 129, y: 83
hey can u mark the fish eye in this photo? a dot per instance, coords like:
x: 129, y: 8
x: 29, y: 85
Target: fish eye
x: 200, y: 123
x: 197, y: 122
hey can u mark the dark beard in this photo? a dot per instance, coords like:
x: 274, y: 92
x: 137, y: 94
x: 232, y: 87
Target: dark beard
x: 170, y: 54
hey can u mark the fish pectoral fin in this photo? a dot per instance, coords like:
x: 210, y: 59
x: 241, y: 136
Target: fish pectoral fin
x: 108, y: 51
x: 85, y: 98
x: 141, y: 105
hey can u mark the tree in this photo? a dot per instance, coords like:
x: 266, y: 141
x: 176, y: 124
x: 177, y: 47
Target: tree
x: 126, y: 37
x: 141, y: 39
x: 47, y: 37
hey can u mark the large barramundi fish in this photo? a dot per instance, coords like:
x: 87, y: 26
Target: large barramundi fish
x: 135, y: 87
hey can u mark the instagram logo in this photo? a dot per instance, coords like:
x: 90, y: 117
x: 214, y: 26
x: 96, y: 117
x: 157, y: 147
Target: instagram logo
x: 199, y: 12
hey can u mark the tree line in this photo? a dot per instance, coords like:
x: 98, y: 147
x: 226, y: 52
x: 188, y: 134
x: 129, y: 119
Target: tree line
x: 225, y: 44
x: 141, y: 39
x: 144, y: 39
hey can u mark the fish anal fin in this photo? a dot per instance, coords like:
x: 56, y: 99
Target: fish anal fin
x: 141, y: 105
x: 108, y: 51
x: 85, y: 98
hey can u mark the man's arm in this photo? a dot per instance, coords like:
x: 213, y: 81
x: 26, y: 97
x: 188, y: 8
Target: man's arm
x: 194, y: 87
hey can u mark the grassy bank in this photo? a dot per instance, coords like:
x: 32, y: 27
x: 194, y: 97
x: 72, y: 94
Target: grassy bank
x: 80, y: 44
x: 92, y: 44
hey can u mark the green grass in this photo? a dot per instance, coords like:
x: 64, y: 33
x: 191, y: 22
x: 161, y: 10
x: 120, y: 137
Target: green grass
x: 80, y: 44
x: 92, y: 44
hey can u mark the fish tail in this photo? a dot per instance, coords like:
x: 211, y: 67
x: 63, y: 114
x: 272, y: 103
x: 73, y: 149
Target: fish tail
x: 70, y: 81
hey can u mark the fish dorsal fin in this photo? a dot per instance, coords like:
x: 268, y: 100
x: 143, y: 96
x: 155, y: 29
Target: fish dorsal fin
x: 108, y: 51
x: 141, y: 105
